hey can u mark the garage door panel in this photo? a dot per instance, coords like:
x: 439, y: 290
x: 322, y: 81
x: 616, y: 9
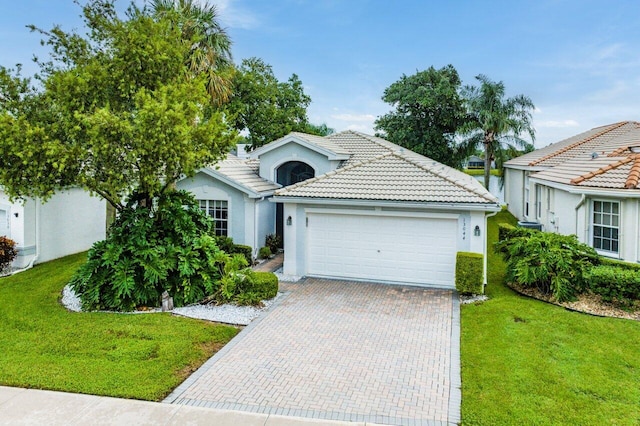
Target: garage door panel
x: 385, y: 248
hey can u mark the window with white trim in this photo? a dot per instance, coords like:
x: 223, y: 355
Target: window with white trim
x: 538, y: 201
x: 218, y: 210
x: 605, y: 222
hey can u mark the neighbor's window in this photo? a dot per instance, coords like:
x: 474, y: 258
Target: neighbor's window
x: 538, y: 201
x: 219, y: 212
x: 606, y: 219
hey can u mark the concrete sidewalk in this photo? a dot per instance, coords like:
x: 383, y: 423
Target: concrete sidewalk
x: 38, y: 407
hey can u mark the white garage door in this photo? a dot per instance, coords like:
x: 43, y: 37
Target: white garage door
x: 415, y: 250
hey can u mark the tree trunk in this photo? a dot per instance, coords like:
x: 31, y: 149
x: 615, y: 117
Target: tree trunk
x: 487, y: 163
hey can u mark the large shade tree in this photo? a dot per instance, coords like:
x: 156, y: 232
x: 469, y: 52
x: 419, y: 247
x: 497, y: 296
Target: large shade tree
x: 497, y: 123
x: 210, y: 52
x: 115, y: 112
x: 427, y: 111
x: 118, y: 111
x: 266, y: 108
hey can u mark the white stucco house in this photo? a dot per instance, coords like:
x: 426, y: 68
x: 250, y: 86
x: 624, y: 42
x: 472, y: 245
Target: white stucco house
x: 587, y: 185
x: 349, y: 206
x: 70, y: 222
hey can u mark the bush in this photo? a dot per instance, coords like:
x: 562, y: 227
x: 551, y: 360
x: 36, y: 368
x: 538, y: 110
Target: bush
x: 469, y: 273
x: 8, y: 252
x: 507, y: 231
x: 620, y: 264
x: 245, y: 251
x: 615, y: 283
x: 168, y: 247
x: 246, y: 287
x: 264, y: 252
x: 554, y: 264
x: 274, y: 242
x: 227, y: 245
x: 265, y: 284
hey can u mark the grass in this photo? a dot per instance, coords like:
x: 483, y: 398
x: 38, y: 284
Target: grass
x: 528, y: 362
x: 45, y: 346
x: 480, y: 172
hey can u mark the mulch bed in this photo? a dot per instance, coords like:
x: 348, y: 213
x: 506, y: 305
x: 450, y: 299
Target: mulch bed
x: 586, y: 303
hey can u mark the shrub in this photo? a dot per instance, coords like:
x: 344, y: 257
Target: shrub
x: 227, y: 245
x: 264, y: 252
x: 620, y: 264
x: 245, y: 251
x: 8, y: 252
x: 507, y: 231
x: 274, y: 242
x: 469, y: 273
x: 265, y: 284
x: 554, y: 264
x: 168, y: 247
x: 615, y: 283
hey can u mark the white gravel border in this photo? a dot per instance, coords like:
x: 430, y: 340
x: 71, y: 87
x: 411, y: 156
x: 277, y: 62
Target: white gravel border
x: 227, y: 314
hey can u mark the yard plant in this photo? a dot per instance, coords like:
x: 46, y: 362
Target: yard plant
x: 44, y: 346
x: 528, y: 362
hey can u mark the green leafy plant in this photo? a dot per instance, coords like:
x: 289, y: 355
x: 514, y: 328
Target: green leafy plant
x: 274, y: 242
x: 166, y: 248
x: 264, y: 252
x: 227, y: 245
x: 469, y: 273
x: 8, y: 252
x: 554, y: 264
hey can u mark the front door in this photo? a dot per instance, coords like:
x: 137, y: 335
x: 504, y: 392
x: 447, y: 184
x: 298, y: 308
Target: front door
x: 287, y: 174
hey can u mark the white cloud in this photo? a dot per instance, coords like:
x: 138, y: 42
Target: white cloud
x: 231, y: 15
x: 557, y: 124
x: 354, y: 117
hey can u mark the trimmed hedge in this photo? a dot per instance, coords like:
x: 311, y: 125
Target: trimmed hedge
x: 615, y: 283
x: 469, y: 272
x: 259, y: 286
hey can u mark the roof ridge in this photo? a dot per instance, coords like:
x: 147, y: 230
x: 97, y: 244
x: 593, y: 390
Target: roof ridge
x: 369, y: 138
x: 601, y: 170
x: 634, y: 174
x: 608, y: 129
x: 337, y: 171
x: 445, y: 176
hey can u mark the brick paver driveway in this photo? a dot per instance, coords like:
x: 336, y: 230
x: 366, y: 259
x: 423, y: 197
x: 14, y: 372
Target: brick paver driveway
x: 344, y: 351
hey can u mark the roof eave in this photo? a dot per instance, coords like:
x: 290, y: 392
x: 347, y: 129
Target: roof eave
x: 387, y: 203
x: 588, y: 190
x: 237, y: 185
x: 331, y: 155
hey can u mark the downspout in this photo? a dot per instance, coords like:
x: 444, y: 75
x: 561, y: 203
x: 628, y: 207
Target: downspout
x: 580, y: 204
x: 486, y: 249
x: 256, y: 248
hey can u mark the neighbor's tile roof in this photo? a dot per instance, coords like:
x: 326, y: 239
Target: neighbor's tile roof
x: 603, y: 139
x: 244, y: 173
x: 393, y: 176
x: 599, y: 158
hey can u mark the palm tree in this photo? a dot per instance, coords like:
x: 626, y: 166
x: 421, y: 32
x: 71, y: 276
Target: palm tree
x: 496, y: 122
x: 211, y: 53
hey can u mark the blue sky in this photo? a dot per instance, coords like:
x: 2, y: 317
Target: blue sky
x: 579, y: 61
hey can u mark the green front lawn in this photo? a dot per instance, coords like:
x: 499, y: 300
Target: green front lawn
x: 528, y: 362
x: 42, y: 345
x: 480, y: 172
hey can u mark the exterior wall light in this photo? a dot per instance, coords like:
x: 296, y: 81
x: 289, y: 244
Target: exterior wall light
x: 289, y: 221
x: 476, y: 231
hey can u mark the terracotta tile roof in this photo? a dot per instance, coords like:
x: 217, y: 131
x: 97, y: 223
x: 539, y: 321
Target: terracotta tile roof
x: 393, y: 176
x: 601, y: 140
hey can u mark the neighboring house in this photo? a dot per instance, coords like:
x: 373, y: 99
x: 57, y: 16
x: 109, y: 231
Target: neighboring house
x: 349, y: 205
x: 70, y: 222
x: 587, y: 185
x: 475, y: 162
